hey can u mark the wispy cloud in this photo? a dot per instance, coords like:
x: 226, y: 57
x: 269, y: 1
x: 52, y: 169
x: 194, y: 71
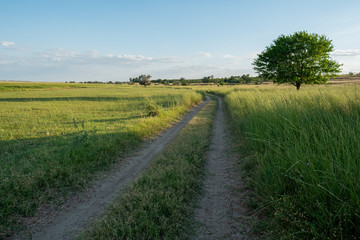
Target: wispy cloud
x: 350, y: 58
x: 58, y: 54
x: 231, y: 57
x: 64, y: 56
x: 11, y: 46
x: 126, y: 57
x: 246, y: 57
x: 192, y: 71
x: 346, y: 53
x: 5, y: 62
x: 205, y: 54
x: 7, y: 44
x: 59, y: 64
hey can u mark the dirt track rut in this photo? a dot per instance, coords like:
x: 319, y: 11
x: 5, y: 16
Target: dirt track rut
x: 221, y: 213
x: 87, y: 205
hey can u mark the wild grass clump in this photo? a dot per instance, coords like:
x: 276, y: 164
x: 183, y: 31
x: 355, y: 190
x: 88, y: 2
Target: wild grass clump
x: 158, y: 205
x: 53, y: 141
x: 305, y: 168
x: 153, y: 109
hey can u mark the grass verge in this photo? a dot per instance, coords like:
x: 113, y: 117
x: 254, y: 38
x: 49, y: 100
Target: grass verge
x: 158, y: 204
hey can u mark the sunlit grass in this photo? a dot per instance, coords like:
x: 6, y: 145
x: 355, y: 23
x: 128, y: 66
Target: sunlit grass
x: 305, y: 164
x: 54, y: 140
x: 159, y: 204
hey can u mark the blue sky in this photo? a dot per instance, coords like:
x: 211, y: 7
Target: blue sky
x: 113, y: 40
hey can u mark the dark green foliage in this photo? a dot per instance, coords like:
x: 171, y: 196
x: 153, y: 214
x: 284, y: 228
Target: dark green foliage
x: 145, y: 80
x: 301, y: 58
x: 208, y: 79
x: 142, y: 80
x: 243, y: 79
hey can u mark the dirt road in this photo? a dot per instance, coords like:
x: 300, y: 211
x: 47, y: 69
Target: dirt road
x: 221, y: 214
x: 81, y: 209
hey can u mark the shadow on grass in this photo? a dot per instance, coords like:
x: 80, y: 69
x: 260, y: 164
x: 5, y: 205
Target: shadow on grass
x: 36, y: 171
x: 111, y: 120
x: 95, y: 99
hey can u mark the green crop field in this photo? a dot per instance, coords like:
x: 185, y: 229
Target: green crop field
x: 54, y: 137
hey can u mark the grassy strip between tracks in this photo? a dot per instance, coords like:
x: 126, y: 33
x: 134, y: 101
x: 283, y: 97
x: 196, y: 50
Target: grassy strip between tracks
x: 158, y: 204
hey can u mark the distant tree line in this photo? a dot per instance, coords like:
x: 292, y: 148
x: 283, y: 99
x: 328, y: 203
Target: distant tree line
x: 145, y: 80
x: 244, y: 79
x: 353, y: 74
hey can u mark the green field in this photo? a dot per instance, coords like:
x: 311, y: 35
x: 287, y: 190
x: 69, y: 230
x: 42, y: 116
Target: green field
x: 303, y: 158
x: 300, y: 155
x: 55, y: 137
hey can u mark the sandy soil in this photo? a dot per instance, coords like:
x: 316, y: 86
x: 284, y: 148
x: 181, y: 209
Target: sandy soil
x: 222, y: 213
x: 79, y: 210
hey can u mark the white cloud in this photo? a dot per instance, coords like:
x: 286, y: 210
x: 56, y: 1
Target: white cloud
x: 6, y: 44
x: 136, y: 58
x: 171, y: 59
x: 140, y: 58
x: 3, y: 62
x: 246, y: 57
x: 61, y: 64
x: 192, y: 71
x: 58, y: 54
x: 231, y: 57
x: 350, y: 58
x: 350, y: 63
x: 205, y: 54
x: 65, y: 56
x: 346, y: 53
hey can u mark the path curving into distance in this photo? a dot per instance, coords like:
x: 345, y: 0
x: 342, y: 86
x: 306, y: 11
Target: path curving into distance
x: 221, y: 213
x: 87, y: 205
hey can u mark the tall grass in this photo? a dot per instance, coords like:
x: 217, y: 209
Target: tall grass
x: 305, y: 168
x: 53, y: 141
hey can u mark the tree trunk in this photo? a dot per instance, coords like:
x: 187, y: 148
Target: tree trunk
x: 298, y: 86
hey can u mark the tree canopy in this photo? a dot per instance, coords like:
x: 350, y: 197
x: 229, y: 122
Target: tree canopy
x: 300, y: 58
x: 142, y: 80
x: 145, y: 80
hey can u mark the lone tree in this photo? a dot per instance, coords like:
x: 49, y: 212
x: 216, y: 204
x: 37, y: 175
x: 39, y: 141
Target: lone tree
x: 144, y: 80
x: 297, y: 59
